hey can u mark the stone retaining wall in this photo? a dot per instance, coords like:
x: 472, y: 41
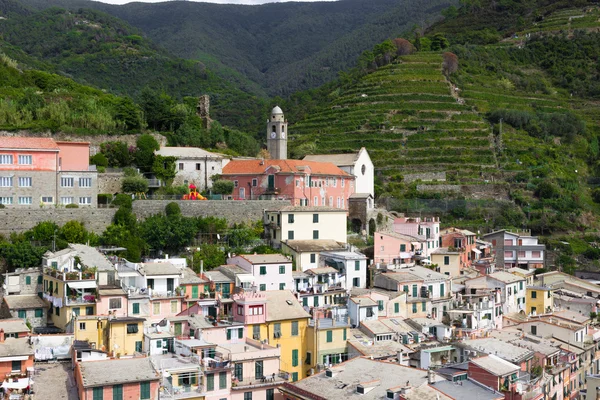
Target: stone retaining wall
x: 23, y: 219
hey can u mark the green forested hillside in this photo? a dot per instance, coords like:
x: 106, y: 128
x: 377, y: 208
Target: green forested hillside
x: 97, y: 49
x: 521, y: 111
x: 280, y: 47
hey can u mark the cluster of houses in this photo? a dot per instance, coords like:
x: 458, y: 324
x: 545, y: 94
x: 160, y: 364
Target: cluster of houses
x: 436, y: 313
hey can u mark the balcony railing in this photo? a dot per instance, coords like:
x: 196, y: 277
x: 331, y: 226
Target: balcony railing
x: 170, y: 293
x: 248, y: 382
x: 71, y: 276
x: 86, y: 299
x: 181, y: 392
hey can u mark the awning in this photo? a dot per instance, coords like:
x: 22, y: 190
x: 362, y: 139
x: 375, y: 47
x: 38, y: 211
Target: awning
x: 246, y: 278
x: 17, y: 384
x: 405, y: 255
x: 82, y: 284
x: 476, y: 251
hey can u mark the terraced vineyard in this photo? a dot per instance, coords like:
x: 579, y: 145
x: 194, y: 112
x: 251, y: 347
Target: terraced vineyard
x: 408, y: 117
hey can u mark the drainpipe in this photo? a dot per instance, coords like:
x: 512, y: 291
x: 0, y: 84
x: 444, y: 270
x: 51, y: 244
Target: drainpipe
x: 205, y: 172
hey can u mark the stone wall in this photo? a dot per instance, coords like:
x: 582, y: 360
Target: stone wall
x: 235, y: 211
x: 489, y: 191
x: 22, y: 219
x: 425, y: 176
x: 94, y: 140
x: 110, y: 182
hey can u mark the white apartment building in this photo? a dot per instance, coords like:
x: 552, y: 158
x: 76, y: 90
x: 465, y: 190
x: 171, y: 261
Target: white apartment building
x: 270, y: 271
x: 517, y: 249
x: 513, y: 289
x: 195, y: 165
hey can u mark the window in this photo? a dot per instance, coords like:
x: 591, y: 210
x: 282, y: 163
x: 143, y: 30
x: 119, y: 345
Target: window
x: 282, y: 286
x: 295, y: 358
x: 305, y: 301
x: 25, y: 181
x: 258, y: 369
x: 290, y: 218
x: 117, y: 392
x: 508, y: 242
x: 313, y: 258
x: 25, y: 160
x: 85, y: 200
x: 174, y: 307
x: 47, y: 199
x: 442, y: 290
x: 508, y: 254
x: 210, y: 382
x: 414, y: 308
x: 315, y: 235
x: 238, y: 371
x: 329, y: 336
x: 132, y: 328
x: 222, y: 380
x: 256, y: 332
x: 520, y: 285
x: 235, y: 183
x: 6, y: 200
x: 536, y: 254
x: 277, y: 330
x: 330, y: 201
x: 28, y: 280
x: 82, y: 326
x: 16, y: 366
x: 415, y: 291
x: 533, y: 330
x: 156, y: 308
x: 255, y: 310
x: 66, y: 200
x: 316, y: 301
x: 446, y: 260
x: 423, y: 306
x: 290, y: 235
x: 521, y: 254
x: 39, y: 313
x: 263, y: 269
x: 85, y: 182
x: 282, y: 269
x: 533, y: 294
x: 294, y: 328
x: 198, y: 166
x: 98, y: 393
x: 22, y: 314
x: 315, y: 218
x: 181, y: 166
x: 89, y: 310
x: 25, y: 200
x: 6, y: 181
x: 370, y: 312
x: 316, y: 201
x: 247, y: 395
x: 6, y: 159
x: 254, y: 182
x: 66, y: 182
x: 355, y: 282
x: 262, y: 287
x: 229, y: 334
x: 114, y: 303
x: 380, y: 305
x: 396, y: 307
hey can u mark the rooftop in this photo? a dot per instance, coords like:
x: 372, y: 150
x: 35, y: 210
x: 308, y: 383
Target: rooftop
x: 266, y: 258
x: 91, y: 257
x: 13, y: 325
x: 495, y: 365
x: 316, y: 246
x: 259, y: 167
x: 186, y: 152
x: 322, y: 270
x: 16, y: 347
x: 445, y: 250
x: 112, y: 372
x: 156, y: 269
x: 328, y: 323
x: 24, y: 301
x: 310, y: 209
x: 15, y: 142
x: 347, y: 255
x: 283, y: 305
x: 500, y: 348
x: 505, y: 277
x: 378, y: 375
x: 363, y: 301
x: 189, y: 277
x: 467, y: 389
x: 402, y: 236
x: 521, y: 271
x: 341, y: 160
x: 216, y: 276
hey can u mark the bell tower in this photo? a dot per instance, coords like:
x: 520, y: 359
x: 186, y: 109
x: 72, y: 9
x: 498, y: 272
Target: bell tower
x: 277, y: 135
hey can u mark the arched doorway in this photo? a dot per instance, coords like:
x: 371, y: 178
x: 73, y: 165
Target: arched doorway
x: 372, y: 227
x: 356, y: 225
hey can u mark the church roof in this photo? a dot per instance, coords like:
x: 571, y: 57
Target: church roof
x: 276, y: 110
x: 341, y: 160
x: 259, y: 167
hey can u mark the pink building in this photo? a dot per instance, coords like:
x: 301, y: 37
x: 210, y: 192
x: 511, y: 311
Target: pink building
x: 39, y: 171
x: 250, y: 308
x: 464, y: 242
x: 302, y: 182
x: 112, y: 299
x: 396, y: 248
x: 426, y: 228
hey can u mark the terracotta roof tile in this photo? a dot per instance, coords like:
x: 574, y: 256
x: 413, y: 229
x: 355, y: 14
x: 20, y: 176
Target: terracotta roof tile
x: 235, y: 167
x: 27, y: 143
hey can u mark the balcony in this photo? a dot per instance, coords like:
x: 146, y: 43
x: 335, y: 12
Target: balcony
x: 79, y: 300
x: 154, y: 183
x: 154, y: 294
x: 251, y: 382
x: 181, y: 392
x: 87, y: 274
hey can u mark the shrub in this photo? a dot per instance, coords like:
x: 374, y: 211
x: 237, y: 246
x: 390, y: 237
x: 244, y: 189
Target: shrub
x: 135, y: 184
x: 72, y: 205
x: 99, y: 160
x: 123, y: 200
x: 222, y: 186
x: 172, y: 209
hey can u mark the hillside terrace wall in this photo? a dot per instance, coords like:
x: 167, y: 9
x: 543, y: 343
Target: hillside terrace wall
x: 23, y: 219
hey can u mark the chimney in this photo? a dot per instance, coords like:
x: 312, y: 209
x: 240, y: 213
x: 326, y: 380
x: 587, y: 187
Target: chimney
x: 430, y: 377
x: 400, y: 358
x: 1, y: 335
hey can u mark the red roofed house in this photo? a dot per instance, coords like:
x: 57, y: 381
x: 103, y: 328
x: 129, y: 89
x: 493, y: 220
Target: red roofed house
x: 302, y: 182
x: 41, y: 171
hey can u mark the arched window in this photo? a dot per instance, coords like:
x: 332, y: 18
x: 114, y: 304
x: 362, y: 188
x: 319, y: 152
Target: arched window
x: 273, y: 128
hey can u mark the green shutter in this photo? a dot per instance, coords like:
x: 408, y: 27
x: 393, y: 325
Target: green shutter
x: 210, y: 382
x: 294, y: 328
x: 329, y: 336
x: 415, y: 291
x: 345, y: 333
x: 98, y: 393
x: 136, y: 308
x: 442, y: 292
x: 316, y: 301
x: 380, y: 305
x: 28, y: 280
x: 294, y: 376
x: 39, y: 313
x: 263, y: 270
x: 294, y: 358
x: 228, y: 334
x: 40, y: 279
x: 22, y: 314
x: 414, y: 308
x: 240, y: 333
x: 117, y: 392
x: 357, y: 265
x: 396, y: 307
x: 222, y: 380
x: 195, y: 292
x: 423, y: 306
x: 305, y: 301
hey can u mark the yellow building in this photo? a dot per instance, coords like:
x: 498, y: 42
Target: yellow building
x: 117, y: 336
x: 69, y: 294
x: 326, y: 343
x: 539, y: 300
x: 447, y: 261
x: 285, y: 326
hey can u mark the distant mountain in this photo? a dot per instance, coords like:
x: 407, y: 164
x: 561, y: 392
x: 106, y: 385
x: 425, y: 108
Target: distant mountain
x: 282, y: 47
x: 100, y: 50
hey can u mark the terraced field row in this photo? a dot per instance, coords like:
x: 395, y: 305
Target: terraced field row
x: 407, y: 117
